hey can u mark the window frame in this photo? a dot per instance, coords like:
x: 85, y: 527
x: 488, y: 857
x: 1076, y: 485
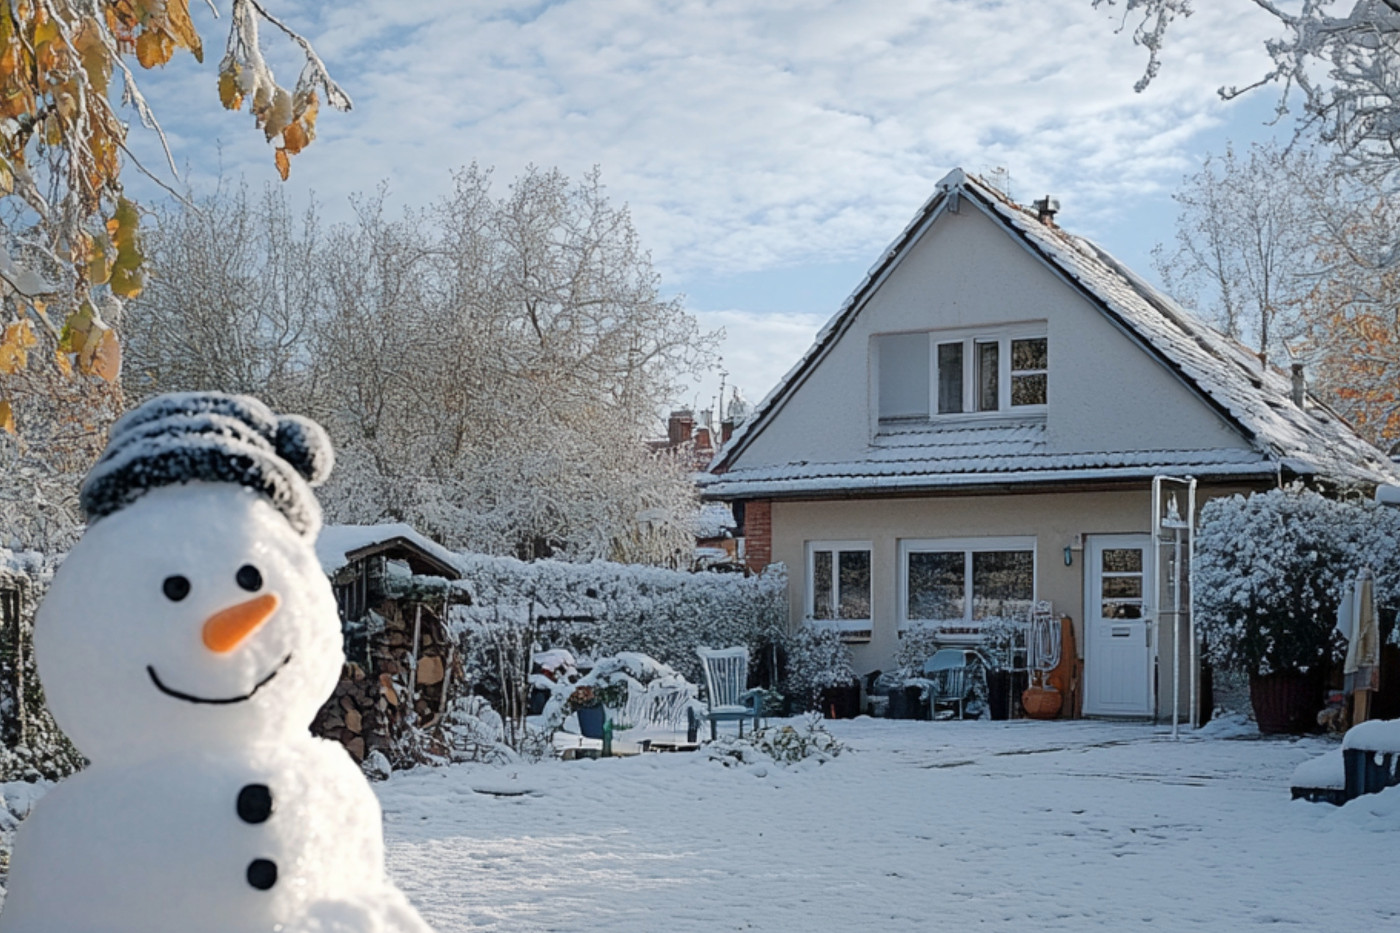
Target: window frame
x: 850, y: 626
x: 970, y: 340
x: 967, y: 547
x: 971, y: 370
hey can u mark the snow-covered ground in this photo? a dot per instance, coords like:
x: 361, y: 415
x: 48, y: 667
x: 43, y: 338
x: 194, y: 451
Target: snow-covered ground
x: 1023, y: 826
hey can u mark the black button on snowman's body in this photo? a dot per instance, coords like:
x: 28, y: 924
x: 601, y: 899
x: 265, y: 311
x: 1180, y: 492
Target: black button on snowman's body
x: 255, y: 806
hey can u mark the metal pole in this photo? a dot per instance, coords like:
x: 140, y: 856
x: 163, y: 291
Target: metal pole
x: 1155, y: 615
x: 1176, y: 631
x: 1191, y: 602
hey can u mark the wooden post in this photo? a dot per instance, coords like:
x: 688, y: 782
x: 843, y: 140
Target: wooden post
x: 413, y: 666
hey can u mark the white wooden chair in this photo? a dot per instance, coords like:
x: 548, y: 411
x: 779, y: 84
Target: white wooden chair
x: 726, y: 693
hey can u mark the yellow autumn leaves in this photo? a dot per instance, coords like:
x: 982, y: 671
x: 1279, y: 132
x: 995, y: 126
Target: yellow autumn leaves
x: 277, y: 110
x: 60, y: 154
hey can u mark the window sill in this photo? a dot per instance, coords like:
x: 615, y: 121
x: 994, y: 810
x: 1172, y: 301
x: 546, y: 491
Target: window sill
x: 851, y: 630
x: 1027, y: 415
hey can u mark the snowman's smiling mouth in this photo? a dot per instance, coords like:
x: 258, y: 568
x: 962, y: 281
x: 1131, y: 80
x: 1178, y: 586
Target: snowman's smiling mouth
x: 217, y: 701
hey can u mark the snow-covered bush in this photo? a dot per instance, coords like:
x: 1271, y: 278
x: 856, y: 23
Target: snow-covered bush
x: 817, y: 659
x: 33, y: 745
x: 599, y: 609
x: 625, y: 683
x: 1270, y: 570
x: 784, y: 745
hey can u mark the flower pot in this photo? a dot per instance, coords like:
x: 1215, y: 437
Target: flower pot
x: 590, y: 721
x: 1041, y: 702
x: 1285, y: 702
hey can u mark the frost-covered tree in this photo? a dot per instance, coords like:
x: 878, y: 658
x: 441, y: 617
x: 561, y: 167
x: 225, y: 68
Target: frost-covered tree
x: 1270, y: 569
x: 489, y: 366
x: 1244, y: 253
x: 1341, y: 60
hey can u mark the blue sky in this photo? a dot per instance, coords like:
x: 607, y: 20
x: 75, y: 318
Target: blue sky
x: 768, y: 149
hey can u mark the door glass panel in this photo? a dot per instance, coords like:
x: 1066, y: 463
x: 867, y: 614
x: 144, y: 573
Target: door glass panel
x: 1122, y: 610
x: 821, y: 585
x: 855, y: 584
x: 1122, y: 560
x: 1122, y: 587
x: 1003, y: 584
x: 935, y: 585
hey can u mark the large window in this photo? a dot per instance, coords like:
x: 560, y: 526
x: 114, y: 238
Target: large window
x: 838, y: 582
x: 957, y: 373
x: 967, y: 581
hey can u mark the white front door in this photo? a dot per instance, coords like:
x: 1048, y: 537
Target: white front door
x: 1118, y: 649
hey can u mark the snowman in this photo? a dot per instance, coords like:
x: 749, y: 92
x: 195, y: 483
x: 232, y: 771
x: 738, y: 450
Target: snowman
x: 185, y: 646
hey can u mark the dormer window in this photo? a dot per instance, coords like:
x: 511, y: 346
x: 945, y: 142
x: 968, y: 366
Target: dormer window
x: 955, y: 373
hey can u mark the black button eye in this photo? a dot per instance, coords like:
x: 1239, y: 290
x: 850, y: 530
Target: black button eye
x: 249, y: 578
x: 175, y: 588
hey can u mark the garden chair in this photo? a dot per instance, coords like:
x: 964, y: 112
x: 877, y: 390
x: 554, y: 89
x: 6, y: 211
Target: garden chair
x: 947, y: 676
x: 726, y: 680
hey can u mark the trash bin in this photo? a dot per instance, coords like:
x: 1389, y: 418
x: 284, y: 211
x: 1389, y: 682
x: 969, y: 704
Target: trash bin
x: 1369, y: 772
x: 906, y: 703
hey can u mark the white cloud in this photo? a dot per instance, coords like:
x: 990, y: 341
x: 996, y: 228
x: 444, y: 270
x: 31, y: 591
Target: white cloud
x: 745, y: 134
x: 757, y: 351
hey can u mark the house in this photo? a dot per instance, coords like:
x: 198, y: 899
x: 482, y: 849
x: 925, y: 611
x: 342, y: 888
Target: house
x: 978, y: 428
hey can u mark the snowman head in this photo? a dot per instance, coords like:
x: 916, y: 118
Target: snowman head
x: 193, y: 611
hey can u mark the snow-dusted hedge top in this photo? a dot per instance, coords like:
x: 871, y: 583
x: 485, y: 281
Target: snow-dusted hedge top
x: 1271, y: 568
x: 629, y: 608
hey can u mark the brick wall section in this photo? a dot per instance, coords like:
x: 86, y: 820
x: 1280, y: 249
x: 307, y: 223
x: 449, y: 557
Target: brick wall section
x: 758, y: 534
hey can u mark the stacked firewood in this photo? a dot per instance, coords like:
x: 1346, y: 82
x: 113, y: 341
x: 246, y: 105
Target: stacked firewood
x: 369, y: 708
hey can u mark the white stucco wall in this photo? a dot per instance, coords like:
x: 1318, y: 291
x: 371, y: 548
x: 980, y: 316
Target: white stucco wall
x: 1105, y: 392
x: 1055, y: 520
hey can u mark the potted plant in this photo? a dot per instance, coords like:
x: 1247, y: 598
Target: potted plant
x: 1270, y: 569
x: 595, y: 705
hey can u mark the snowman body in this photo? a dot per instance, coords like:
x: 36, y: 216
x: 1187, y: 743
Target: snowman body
x: 169, y: 844
x: 185, y: 646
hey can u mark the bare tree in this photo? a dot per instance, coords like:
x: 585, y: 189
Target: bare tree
x: 1344, y: 68
x: 1245, y: 243
x: 233, y: 302
x: 488, y: 366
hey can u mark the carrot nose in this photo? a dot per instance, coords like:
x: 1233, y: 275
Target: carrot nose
x: 227, y: 628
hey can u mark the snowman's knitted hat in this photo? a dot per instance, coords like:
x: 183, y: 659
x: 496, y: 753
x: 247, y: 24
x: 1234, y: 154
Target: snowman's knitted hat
x: 217, y: 438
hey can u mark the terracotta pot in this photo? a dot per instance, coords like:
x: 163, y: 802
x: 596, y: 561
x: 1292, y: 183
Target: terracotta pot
x: 1286, y: 702
x: 1041, y: 702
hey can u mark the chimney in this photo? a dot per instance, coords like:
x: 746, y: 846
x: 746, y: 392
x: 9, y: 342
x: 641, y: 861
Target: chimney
x: 1046, y: 209
x: 726, y: 431
x: 1300, y: 385
x: 681, y: 425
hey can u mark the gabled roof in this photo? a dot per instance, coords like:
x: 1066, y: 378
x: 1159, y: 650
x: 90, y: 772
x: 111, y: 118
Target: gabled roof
x: 1285, y: 440
x: 338, y: 546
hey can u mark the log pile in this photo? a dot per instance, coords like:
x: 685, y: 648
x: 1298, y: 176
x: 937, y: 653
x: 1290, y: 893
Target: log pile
x: 368, y: 711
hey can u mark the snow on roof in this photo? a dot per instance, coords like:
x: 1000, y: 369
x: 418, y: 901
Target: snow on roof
x: 336, y: 541
x: 1306, y: 441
